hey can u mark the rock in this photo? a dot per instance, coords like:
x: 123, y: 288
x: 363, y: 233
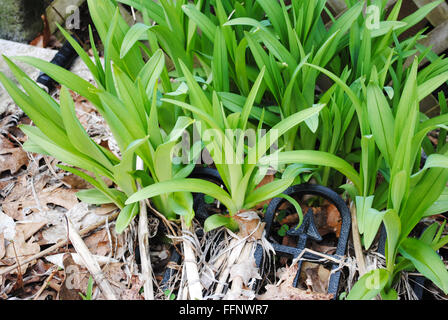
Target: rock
x: 11, y: 49
x: 20, y: 20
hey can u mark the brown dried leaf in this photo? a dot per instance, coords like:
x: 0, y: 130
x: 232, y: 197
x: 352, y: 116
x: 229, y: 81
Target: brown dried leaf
x: 284, y: 290
x: 12, y: 159
x: 315, y: 276
x: 75, y: 182
x: 249, y: 223
x: 334, y: 220
x: 29, y: 228
x: 105, y: 209
x: 71, y: 285
x: 98, y: 243
x: 23, y: 249
x: 22, y: 197
x: 133, y: 292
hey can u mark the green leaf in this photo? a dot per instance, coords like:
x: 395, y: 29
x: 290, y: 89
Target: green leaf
x: 363, y: 204
x: 372, y: 220
x: 215, y: 221
x: 436, y: 161
x: 381, y: 122
x: 80, y: 51
x: 275, y: 15
x: 418, y: 15
x: 392, y: 294
x: 392, y: 223
x: 64, y: 77
x: 369, y: 285
x: 182, y: 204
x: 426, y: 261
x: 280, y: 129
x: 152, y: 70
x: 132, y: 36
x: 439, y: 206
x: 312, y: 157
x: 208, y: 199
x: 296, y: 206
x: 267, y: 191
x: 95, y: 196
x: 250, y: 100
x: 398, y: 188
x: 203, y: 22
x: 125, y: 217
x: 184, y: 185
x: 76, y: 132
x: 220, y: 65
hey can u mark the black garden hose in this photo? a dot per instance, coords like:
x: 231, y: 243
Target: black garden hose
x: 63, y: 58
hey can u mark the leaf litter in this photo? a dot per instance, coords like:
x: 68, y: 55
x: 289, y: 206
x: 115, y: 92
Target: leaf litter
x: 34, y: 197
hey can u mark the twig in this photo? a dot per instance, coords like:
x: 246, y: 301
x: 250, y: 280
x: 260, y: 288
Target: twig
x: 357, y: 242
x: 60, y: 244
x: 19, y: 268
x: 90, y: 262
x: 143, y: 241
x: 45, y: 285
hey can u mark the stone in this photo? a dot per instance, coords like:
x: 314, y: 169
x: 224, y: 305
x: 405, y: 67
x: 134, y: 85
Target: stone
x: 11, y: 49
x: 20, y: 20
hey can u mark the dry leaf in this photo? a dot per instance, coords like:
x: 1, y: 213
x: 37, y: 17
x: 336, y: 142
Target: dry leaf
x: 80, y: 215
x: 75, y: 182
x: 316, y: 276
x: 21, y: 197
x: 29, y: 228
x: 115, y: 274
x: 58, y: 259
x: 12, y: 159
x: 334, y: 220
x: 246, y: 270
x: 105, y: 209
x: 23, y: 249
x: 284, y: 289
x: 249, y: 224
x: 98, y: 243
x: 71, y: 285
x: 133, y: 292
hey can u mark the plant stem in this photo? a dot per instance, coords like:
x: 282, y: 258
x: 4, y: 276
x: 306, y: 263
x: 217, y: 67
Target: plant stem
x: 357, y: 241
x: 143, y: 241
x: 191, y: 268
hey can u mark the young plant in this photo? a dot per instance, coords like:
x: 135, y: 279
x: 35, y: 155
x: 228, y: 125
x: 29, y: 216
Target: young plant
x: 407, y: 195
x: 89, y: 290
x: 128, y: 101
x: 411, y: 195
x: 224, y: 138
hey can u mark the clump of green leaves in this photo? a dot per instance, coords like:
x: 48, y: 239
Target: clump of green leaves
x: 235, y: 160
x: 126, y: 96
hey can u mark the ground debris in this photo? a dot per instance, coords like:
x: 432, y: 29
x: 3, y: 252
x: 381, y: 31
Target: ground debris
x: 284, y: 289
